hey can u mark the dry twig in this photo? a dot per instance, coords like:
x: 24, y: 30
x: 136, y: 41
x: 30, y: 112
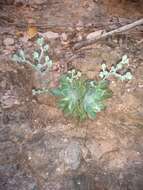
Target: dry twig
x: 104, y: 35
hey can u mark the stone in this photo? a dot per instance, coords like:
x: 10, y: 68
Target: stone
x: 8, y: 41
x: 72, y: 155
x: 30, y: 2
x: 20, y: 132
x: 98, y: 149
x: 8, y: 152
x: 50, y: 35
x: 9, y: 99
x: 38, y: 2
x: 64, y: 36
x: 64, y: 39
x: 11, y: 178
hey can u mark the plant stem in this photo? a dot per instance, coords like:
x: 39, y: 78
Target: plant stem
x: 41, y: 55
x: 32, y: 65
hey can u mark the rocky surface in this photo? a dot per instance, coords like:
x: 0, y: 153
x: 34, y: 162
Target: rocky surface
x: 71, y: 156
x: 40, y: 149
x: 8, y: 41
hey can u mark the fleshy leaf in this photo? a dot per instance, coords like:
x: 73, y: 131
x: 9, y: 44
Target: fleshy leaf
x: 101, y: 94
x: 105, y: 73
x: 69, y: 101
x: 46, y: 47
x: 101, y: 74
x: 21, y: 54
x: 125, y: 59
x: 39, y: 66
x: 103, y: 66
x: 128, y: 76
x: 91, y: 114
x: 113, y: 69
x: 91, y: 106
x: 47, y: 59
x: 119, y: 66
x: 49, y: 63
x: 56, y: 92
x: 40, y: 41
x: 35, y: 55
x: 103, y: 84
x: 16, y: 58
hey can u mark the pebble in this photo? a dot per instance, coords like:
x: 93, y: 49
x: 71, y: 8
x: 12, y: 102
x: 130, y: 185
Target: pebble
x: 64, y: 36
x: 50, y: 35
x: 8, y: 41
x: 72, y: 155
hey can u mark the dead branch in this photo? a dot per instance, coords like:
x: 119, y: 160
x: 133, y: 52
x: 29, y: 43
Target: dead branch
x: 104, y: 35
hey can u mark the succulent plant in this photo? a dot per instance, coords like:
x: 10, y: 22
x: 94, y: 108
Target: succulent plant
x: 114, y: 71
x: 81, y: 98
x: 78, y: 97
x: 40, y: 61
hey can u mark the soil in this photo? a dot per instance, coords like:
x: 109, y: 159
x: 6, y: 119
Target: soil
x: 40, y: 148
